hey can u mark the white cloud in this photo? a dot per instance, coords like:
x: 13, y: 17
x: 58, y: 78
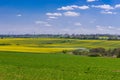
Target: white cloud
x: 43, y: 23
x: 53, y: 14
x: 105, y: 7
x: 111, y: 27
x: 48, y: 25
x: 72, y: 14
x: 19, y: 15
x: 105, y: 28
x: 52, y: 17
x: 108, y: 12
x: 83, y: 7
x: 77, y: 24
x: 91, y: 0
x: 117, y: 6
x: 99, y: 28
x: 40, y: 22
x: 66, y: 8
x: 73, y: 7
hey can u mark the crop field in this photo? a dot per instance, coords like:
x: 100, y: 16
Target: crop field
x: 28, y: 66
x: 52, y: 45
x: 19, y: 60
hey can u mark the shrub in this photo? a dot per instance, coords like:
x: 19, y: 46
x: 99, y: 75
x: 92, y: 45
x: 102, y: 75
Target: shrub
x: 94, y: 55
x: 116, y: 52
x: 64, y: 51
x: 118, y: 56
x: 76, y: 52
x: 80, y: 51
x: 97, y: 52
x: 100, y: 51
x: 109, y: 52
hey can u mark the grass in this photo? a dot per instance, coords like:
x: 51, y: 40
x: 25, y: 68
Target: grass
x: 24, y: 63
x: 52, y: 45
x: 28, y: 66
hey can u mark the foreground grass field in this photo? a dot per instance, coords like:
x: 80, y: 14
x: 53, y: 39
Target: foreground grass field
x: 24, y: 63
x: 28, y: 66
x: 52, y: 45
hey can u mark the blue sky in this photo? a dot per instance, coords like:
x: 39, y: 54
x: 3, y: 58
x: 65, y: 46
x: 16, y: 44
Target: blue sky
x: 59, y: 16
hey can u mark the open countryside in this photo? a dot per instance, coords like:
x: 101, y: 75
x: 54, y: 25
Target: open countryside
x: 53, y: 45
x: 59, y: 39
x: 42, y: 59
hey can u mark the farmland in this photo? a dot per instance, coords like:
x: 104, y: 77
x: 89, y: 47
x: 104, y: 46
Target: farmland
x: 27, y: 66
x: 52, y: 45
x: 42, y: 59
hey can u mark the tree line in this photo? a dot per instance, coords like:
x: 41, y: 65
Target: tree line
x: 73, y: 36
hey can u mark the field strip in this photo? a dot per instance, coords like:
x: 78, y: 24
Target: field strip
x: 32, y: 49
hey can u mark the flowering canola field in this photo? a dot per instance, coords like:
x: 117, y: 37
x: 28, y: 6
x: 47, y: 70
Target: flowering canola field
x: 52, y: 45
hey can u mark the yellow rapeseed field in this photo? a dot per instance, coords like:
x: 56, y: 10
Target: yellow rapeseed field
x: 32, y: 49
x: 52, y: 45
x: 30, y: 45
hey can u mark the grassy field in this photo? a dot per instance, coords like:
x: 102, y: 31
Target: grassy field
x: 52, y: 45
x: 28, y: 66
x: 19, y: 60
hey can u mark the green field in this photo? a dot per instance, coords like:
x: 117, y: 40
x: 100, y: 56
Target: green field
x: 28, y: 66
x: 31, y: 59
